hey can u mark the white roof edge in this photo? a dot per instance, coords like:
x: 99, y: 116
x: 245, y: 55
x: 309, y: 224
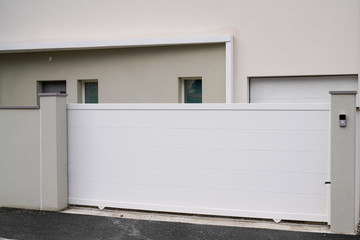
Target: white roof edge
x: 114, y: 43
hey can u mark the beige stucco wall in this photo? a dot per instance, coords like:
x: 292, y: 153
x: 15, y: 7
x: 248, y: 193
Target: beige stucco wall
x: 131, y: 75
x: 20, y: 158
x: 271, y: 37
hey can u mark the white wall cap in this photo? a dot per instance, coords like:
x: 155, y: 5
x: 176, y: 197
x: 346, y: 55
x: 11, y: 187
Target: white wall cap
x: 210, y: 106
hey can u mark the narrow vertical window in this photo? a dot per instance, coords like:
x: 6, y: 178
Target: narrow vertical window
x: 91, y: 92
x: 191, y: 90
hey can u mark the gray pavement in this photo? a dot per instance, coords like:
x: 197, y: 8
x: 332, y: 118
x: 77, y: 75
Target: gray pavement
x: 31, y: 224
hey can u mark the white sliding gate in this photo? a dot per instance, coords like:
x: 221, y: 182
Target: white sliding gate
x: 247, y: 160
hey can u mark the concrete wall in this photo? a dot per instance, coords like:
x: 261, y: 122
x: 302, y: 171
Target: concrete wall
x: 344, y: 207
x: 357, y: 169
x: 271, y: 38
x: 33, y: 155
x: 53, y: 152
x: 20, y: 154
x: 133, y: 75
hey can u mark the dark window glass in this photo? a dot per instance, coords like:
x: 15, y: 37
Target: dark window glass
x: 91, y: 92
x: 192, y: 91
x: 54, y: 86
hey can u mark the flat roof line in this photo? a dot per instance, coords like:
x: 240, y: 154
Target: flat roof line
x: 113, y: 43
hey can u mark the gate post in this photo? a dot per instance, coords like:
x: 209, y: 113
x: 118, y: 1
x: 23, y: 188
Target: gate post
x: 53, y: 152
x: 343, y: 162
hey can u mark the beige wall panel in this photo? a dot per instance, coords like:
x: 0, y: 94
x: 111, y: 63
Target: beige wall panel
x: 132, y: 75
x: 271, y: 37
x: 20, y: 154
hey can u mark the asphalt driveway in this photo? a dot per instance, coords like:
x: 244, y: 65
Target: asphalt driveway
x: 31, y: 224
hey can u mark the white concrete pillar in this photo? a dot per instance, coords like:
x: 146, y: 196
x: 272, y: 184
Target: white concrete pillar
x: 53, y: 175
x: 343, y: 154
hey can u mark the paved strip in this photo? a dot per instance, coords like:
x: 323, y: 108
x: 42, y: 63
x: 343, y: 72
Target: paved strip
x: 201, y: 219
x: 31, y: 224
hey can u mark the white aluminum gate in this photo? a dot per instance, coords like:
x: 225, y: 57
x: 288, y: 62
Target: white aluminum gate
x: 246, y: 160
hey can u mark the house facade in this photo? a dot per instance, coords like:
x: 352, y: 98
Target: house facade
x: 271, y: 39
x: 93, y: 88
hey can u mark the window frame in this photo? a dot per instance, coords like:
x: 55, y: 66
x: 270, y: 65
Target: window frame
x: 82, y: 84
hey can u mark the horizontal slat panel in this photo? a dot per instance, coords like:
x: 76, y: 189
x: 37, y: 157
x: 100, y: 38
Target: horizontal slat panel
x: 207, y: 198
x: 200, y: 138
x: 233, y: 180
x: 307, y: 162
x: 202, y: 106
x: 201, y: 210
x: 200, y: 119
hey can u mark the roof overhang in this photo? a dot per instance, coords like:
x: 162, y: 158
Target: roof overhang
x: 114, y: 43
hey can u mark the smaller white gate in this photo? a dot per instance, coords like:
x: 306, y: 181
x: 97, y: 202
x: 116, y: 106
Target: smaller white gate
x: 246, y: 160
